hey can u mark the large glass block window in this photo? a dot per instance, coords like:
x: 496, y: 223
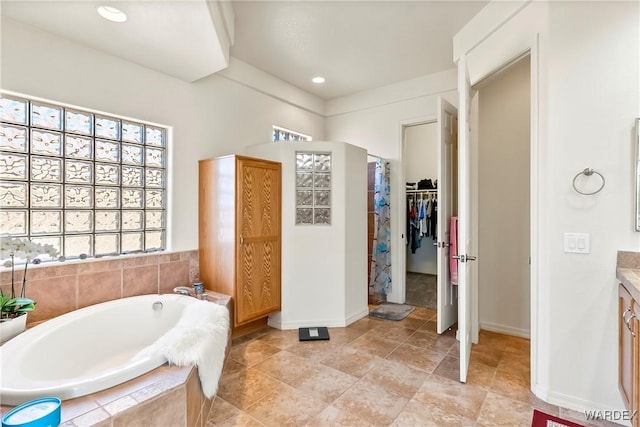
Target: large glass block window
x: 87, y: 183
x: 282, y: 134
x: 313, y: 188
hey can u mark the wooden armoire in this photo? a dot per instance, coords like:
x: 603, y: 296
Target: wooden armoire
x: 239, y: 238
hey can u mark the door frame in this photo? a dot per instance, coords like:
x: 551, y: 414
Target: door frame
x: 539, y: 380
x: 398, y: 275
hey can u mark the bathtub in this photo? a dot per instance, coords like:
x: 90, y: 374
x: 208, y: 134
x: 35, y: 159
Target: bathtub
x: 87, y: 350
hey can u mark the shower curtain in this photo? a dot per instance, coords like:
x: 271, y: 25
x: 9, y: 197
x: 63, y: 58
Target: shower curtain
x: 381, y: 256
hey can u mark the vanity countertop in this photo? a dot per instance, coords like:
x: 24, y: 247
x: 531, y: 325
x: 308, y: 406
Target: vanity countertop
x: 628, y: 272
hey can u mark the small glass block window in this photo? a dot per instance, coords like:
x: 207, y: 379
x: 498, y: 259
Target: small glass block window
x: 313, y: 188
x: 13, y: 138
x: 14, y: 110
x: 282, y: 134
x: 89, y: 184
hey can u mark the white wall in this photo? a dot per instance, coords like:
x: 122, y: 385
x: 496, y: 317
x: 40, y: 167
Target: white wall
x: 211, y: 117
x: 586, y: 65
x: 324, y: 276
x: 503, y: 201
x: 420, y: 162
x: 373, y: 120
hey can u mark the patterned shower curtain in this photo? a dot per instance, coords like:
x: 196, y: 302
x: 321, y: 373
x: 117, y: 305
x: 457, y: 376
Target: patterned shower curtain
x: 381, y: 256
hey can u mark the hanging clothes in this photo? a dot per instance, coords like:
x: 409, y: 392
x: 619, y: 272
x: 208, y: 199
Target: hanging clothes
x: 434, y: 219
x: 453, y: 250
x: 423, y: 217
x: 415, y: 227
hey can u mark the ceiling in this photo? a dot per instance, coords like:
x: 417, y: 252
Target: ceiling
x: 355, y: 45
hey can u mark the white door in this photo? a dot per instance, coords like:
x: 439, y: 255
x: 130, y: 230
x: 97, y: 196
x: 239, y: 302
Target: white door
x: 464, y: 217
x: 447, y: 134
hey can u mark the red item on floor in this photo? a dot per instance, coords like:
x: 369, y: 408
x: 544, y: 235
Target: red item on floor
x: 541, y: 419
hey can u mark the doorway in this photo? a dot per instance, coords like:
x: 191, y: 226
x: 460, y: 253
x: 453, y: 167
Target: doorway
x: 421, y: 172
x: 503, y: 203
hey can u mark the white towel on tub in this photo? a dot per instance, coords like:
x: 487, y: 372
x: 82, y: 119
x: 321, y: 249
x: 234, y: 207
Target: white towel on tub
x: 199, y: 338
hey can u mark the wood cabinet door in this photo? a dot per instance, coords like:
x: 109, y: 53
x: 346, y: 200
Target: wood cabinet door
x: 258, y: 227
x: 625, y: 348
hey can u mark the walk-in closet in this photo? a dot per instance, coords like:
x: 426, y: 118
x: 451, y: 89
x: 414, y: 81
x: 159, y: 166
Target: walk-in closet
x: 421, y: 171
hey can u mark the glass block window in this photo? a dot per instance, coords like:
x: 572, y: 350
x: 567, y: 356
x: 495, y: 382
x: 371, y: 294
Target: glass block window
x: 90, y: 184
x: 282, y: 134
x: 313, y: 188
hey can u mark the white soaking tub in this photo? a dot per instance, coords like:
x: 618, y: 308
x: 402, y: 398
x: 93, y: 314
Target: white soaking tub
x: 87, y: 350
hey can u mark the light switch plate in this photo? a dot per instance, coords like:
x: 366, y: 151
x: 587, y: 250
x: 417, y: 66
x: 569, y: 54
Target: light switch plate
x: 577, y: 243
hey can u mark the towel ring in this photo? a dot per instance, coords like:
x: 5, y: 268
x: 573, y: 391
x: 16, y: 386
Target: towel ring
x: 588, y: 172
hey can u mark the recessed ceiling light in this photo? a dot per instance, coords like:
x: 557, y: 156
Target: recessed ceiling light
x: 318, y: 80
x: 112, y: 14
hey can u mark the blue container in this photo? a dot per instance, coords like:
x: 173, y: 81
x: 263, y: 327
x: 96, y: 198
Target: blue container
x: 43, y: 412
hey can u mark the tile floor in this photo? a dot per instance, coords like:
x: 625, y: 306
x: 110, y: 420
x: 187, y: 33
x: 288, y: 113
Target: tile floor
x: 377, y: 372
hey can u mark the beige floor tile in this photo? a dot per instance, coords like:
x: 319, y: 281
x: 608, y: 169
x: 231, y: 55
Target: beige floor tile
x: 492, y: 338
x: 285, y: 366
x: 413, y: 323
x: 280, y: 339
x: 377, y: 372
x: 241, y: 420
x: 518, y: 345
x: 252, y: 352
x: 502, y: 411
x: 486, y: 354
x: 231, y: 366
x: 449, y: 367
x: 286, y: 407
x: 373, y: 344
x: 344, y: 335
x: 415, y: 414
x: 395, y: 332
x: 221, y: 410
x: 371, y: 403
x: 426, y: 339
x: 423, y: 338
x: 324, y: 382
x: 396, y: 378
x: 430, y: 326
x: 515, y: 385
x: 480, y: 375
x: 516, y: 362
x: 315, y: 350
x: 332, y: 416
x: 246, y: 387
x: 545, y: 407
x: 451, y: 397
x: 422, y: 313
x: 366, y: 323
x: 351, y: 361
x: 422, y: 359
x: 455, y: 349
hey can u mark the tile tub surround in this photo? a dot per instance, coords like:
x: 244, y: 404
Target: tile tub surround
x: 628, y: 272
x: 167, y: 396
x: 61, y: 287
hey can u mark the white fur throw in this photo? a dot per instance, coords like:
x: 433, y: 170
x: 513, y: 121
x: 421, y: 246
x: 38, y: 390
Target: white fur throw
x: 199, y: 338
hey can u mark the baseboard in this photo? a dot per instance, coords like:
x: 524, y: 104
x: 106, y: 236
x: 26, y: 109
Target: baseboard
x: 357, y: 316
x: 278, y: 323
x: 504, y: 329
x: 581, y: 406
